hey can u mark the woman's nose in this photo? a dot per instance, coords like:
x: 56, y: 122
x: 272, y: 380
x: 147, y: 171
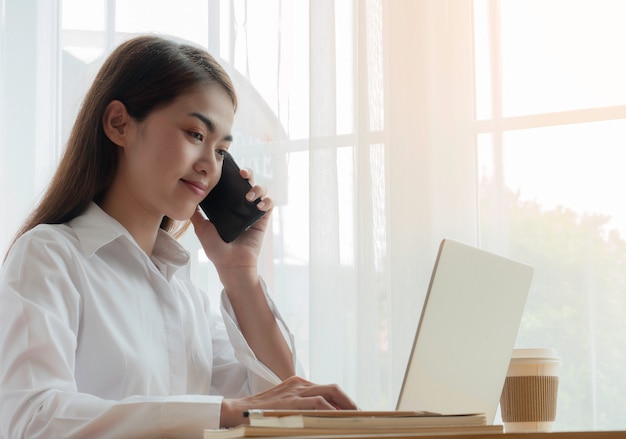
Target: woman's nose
x: 208, y: 164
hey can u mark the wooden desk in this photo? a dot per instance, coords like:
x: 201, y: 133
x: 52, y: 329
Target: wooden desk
x: 554, y: 435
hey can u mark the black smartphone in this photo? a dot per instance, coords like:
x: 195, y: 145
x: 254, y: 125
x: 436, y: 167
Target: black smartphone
x: 226, y: 205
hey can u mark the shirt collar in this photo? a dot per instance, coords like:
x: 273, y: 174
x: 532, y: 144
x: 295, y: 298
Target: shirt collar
x: 95, y: 229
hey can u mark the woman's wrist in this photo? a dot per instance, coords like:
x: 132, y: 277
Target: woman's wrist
x: 231, y: 414
x: 239, y: 280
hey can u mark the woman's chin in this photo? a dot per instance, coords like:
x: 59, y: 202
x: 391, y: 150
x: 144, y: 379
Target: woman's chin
x: 183, y: 214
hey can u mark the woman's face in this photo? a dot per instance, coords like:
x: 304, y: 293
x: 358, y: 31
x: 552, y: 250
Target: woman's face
x: 173, y: 157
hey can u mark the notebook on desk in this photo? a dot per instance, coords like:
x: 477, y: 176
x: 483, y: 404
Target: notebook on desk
x: 466, y: 333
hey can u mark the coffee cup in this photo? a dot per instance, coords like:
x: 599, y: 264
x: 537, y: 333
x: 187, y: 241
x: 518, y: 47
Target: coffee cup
x: 529, y: 396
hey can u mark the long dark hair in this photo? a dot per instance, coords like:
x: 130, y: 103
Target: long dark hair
x: 144, y: 73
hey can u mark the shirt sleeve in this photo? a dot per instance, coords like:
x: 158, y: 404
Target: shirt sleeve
x: 255, y: 375
x: 39, y: 321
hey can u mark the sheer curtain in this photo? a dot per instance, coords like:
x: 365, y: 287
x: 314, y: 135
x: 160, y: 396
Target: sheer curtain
x: 365, y: 118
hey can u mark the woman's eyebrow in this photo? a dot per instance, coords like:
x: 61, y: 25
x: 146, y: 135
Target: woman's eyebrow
x: 210, y: 125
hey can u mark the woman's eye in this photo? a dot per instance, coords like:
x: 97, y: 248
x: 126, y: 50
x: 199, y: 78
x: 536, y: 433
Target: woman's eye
x: 196, y: 135
x: 221, y: 152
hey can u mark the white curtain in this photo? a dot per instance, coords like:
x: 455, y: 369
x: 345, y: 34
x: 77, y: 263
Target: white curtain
x: 374, y: 159
x: 365, y: 119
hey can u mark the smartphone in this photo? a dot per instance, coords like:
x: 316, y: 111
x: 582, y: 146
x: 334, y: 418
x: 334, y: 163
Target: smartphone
x: 226, y: 205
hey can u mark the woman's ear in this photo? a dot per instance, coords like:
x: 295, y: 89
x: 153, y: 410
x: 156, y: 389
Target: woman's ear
x: 115, y: 122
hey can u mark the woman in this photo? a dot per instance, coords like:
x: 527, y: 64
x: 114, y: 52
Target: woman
x: 104, y: 334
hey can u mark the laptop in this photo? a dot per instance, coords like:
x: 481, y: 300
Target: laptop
x: 466, y: 333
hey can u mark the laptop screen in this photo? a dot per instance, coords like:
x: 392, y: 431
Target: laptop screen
x: 466, y: 333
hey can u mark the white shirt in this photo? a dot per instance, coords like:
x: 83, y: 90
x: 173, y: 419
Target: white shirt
x: 96, y: 341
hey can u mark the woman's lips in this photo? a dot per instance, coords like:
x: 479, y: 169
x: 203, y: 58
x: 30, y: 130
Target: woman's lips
x: 198, y: 188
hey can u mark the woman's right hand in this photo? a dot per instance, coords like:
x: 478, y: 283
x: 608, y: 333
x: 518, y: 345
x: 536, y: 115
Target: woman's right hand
x: 293, y: 393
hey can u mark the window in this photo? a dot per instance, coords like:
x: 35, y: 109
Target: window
x: 551, y: 133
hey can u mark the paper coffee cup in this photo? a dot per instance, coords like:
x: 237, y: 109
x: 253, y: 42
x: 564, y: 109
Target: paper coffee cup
x: 529, y: 396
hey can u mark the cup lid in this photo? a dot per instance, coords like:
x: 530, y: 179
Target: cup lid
x: 541, y: 354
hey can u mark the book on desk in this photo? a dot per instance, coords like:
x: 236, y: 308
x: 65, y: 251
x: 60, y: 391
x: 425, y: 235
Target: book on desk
x: 347, y: 423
